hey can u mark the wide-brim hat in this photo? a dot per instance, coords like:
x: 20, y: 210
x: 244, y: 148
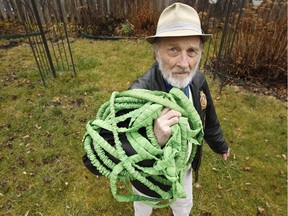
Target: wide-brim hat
x: 179, y: 20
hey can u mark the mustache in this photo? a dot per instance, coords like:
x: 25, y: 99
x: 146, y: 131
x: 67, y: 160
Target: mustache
x: 180, y: 70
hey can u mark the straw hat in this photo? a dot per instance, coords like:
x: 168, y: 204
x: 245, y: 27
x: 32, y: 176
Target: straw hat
x: 179, y: 20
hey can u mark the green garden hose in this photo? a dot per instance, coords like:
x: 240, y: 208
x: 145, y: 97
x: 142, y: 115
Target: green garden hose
x: 141, y: 108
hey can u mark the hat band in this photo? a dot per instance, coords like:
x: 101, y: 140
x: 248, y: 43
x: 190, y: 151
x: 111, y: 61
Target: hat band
x: 179, y: 26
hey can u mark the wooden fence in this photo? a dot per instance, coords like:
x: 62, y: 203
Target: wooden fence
x: 93, y: 14
x: 72, y: 9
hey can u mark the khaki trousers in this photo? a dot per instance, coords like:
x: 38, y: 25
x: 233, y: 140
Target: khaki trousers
x: 181, y: 207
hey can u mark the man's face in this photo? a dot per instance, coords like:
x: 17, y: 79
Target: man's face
x: 178, y: 59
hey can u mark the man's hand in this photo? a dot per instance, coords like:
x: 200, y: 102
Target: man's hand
x: 226, y: 155
x: 162, y: 125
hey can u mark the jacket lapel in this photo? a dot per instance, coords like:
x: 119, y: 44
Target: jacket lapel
x: 196, y: 98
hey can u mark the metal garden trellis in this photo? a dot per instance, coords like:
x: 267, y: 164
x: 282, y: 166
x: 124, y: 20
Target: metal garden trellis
x: 48, y: 38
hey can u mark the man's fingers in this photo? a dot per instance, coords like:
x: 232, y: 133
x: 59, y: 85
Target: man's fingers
x: 168, y: 114
x: 162, y: 125
x: 164, y: 111
x: 172, y: 121
x: 226, y: 155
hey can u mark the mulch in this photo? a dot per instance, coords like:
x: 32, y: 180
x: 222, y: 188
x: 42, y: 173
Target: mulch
x: 269, y: 88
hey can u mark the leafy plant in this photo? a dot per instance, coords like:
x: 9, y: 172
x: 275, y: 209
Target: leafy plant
x: 126, y: 29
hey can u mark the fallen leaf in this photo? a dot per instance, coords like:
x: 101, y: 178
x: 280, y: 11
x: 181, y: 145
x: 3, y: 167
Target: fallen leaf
x: 25, y: 137
x: 56, y: 101
x: 37, y: 127
x: 236, y: 89
x: 248, y: 168
x: 260, y: 211
x: 198, y: 186
x: 47, y: 179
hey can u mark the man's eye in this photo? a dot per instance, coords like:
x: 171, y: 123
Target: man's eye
x: 192, y: 52
x: 173, y: 49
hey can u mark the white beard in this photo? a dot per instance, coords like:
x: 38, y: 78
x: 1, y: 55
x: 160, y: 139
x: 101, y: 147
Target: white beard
x: 179, y: 83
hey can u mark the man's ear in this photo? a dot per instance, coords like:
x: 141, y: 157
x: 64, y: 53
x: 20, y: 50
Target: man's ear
x: 156, y: 51
x: 156, y: 56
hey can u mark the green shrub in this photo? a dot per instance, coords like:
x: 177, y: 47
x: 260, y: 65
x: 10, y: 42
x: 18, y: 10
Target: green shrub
x: 125, y: 29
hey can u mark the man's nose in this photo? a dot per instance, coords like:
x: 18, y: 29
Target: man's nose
x: 183, y: 60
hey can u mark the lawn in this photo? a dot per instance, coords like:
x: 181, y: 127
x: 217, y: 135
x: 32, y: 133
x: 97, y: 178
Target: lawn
x: 41, y: 130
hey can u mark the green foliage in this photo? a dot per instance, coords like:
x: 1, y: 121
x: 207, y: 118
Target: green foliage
x: 41, y: 130
x: 125, y: 28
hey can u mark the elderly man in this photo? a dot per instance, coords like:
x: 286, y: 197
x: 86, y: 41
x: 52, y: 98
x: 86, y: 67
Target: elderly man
x: 178, y: 49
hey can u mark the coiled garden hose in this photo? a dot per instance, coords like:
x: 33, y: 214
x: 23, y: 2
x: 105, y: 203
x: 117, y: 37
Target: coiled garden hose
x: 141, y: 108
